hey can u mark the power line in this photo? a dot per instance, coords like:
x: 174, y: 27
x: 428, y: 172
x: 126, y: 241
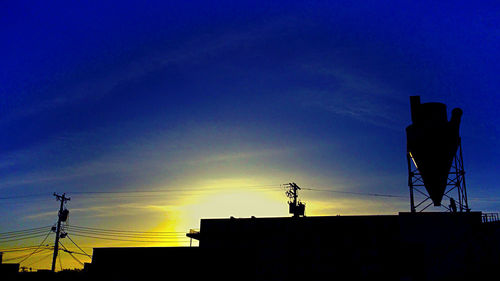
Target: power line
x: 189, y: 189
x: 124, y: 231
x: 172, y: 189
x: 78, y: 247
x: 37, y: 261
x: 128, y: 240
x: 17, y: 239
x: 81, y: 263
x: 18, y: 248
x: 26, y: 256
x: 23, y: 196
x: 12, y: 250
x: 130, y: 235
x: 23, y: 230
x: 77, y: 253
x: 40, y: 245
x: 71, y: 254
x: 356, y: 193
x: 12, y: 236
x: 148, y: 238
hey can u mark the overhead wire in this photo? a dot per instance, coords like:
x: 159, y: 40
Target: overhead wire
x: 168, y: 237
x: 355, y: 193
x: 26, y: 255
x: 127, y: 240
x: 172, y: 189
x: 40, y: 245
x: 124, y: 235
x: 124, y: 231
x: 37, y: 261
x: 24, y: 230
x: 114, y: 235
x: 23, y: 196
x: 11, y: 250
x: 23, y: 238
x: 78, y: 246
x: 197, y: 188
x: 71, y: 253
x: 13, y: 236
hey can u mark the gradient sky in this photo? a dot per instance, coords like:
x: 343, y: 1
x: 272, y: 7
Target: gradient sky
x: 217, y: 103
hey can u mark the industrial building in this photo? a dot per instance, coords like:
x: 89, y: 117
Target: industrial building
x: 408, y: 246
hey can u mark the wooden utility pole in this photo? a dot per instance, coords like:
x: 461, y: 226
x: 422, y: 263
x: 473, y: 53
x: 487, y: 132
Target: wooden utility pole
x: 61, y: 217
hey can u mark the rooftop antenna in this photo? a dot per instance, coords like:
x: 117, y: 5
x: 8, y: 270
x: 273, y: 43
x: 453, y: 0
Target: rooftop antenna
x: 434, y: 155
x: 296, y: 207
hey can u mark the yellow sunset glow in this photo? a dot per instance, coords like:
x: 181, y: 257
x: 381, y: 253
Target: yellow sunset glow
x: 223, y: 198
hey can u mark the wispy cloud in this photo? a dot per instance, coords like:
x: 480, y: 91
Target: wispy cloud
x: 190, y: 51
x: 355, y: 96
x: 137, y: 157
x: 239, y: 155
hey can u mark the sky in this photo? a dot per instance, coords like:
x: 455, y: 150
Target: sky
x: 153, y: 115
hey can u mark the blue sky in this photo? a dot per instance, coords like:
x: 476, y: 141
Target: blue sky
x: 239, y: 95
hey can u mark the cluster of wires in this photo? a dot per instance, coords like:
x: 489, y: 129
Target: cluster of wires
x: 23, y: 234
x: 33, y: 254
x: 30, y: 255
x: 135, y: 193
x: 27, y: 252
x: 64, y: 249
x: 127, y: 235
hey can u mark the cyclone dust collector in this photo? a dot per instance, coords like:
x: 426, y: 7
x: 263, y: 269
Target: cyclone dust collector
x: 434, y: 154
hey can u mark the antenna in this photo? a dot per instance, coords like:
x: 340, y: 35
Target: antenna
x: 296, y: 207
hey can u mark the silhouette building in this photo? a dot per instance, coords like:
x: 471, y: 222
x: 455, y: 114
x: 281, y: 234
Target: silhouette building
x: 408, y: 246
x: 7, y: 269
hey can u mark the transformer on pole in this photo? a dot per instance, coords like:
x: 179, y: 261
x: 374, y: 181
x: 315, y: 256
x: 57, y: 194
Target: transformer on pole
x: 296, y: 207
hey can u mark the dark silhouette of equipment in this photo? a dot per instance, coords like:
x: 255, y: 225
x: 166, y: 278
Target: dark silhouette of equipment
x: 433, y: 161
x: 453, y: 205
x: 296, y: 207
x: 62, y: 217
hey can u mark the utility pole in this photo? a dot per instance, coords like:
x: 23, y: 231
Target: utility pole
x: 62, y: 216
x: 296, y: 207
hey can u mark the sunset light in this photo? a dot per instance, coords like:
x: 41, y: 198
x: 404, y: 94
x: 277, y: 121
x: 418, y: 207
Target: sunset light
x: 125, y: 124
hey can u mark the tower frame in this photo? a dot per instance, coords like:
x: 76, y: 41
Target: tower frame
x: 456, y: 181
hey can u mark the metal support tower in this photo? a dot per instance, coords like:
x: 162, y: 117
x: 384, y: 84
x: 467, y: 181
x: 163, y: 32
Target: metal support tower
x: 456, y: 181
x: 61, y: 217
